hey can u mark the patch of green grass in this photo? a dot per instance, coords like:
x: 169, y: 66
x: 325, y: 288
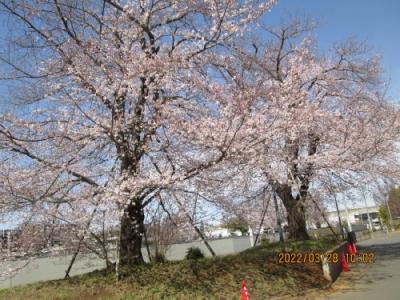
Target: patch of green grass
x: 208, y: 278
x: 271, y: 249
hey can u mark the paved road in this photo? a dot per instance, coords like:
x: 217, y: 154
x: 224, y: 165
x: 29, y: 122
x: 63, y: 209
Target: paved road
x: 377, y: 281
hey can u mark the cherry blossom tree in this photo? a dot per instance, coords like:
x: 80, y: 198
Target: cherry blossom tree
x: 308, y: 119
x: 108, y: 92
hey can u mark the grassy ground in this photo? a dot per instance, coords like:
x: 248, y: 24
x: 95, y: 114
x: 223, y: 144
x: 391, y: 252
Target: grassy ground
x: 211, y: 278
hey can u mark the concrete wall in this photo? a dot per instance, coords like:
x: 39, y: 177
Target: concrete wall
x: 330, y: 269
x: 48, y: 268
x: 221, y: 247
x: 224, y: 246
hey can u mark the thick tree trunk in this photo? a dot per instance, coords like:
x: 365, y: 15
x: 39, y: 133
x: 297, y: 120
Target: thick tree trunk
x: 296, y: 216
x: 296, y: 220
x: 132, y: 231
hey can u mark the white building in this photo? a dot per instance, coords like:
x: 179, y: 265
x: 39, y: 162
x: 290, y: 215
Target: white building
x: 355, y: 216
x: 221, y: 232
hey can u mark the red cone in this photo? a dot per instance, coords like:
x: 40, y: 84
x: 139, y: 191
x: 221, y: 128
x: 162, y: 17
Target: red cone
x: 350, y: 248
x: 343, y: 262
x: 354, y: 248
x: 243, y: 292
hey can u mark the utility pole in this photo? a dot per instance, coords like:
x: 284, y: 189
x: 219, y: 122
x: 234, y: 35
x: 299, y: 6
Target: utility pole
x: 348, y: 219
x: 279, y: 223
x: 366, y: 208
x: 339, y: 218
x: 390, y: 214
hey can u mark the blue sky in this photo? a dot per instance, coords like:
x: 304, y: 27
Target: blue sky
x: 375, y: 22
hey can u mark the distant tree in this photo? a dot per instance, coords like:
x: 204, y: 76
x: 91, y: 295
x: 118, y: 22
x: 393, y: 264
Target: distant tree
x: 312, y: 120
x: 384, y: 215
x: 394, y: 202
x: 236, y: 225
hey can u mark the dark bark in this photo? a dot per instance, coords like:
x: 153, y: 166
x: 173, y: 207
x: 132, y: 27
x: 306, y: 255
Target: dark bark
x: 295, y: 213
x: 73, y: 259
x: 132, y: 231
x: 296, y: 220
x: 204, y: 239
x: 295, y: 205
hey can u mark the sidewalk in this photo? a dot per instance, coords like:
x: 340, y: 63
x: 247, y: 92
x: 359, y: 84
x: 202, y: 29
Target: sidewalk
x: 377, y: 281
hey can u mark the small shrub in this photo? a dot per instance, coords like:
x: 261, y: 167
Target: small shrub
x: 194, y: 253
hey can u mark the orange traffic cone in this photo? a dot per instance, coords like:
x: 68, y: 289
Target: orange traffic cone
x: 354, y: 248
x: 350, y: 248
x: 243, y: 292
x: 343, y: 262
